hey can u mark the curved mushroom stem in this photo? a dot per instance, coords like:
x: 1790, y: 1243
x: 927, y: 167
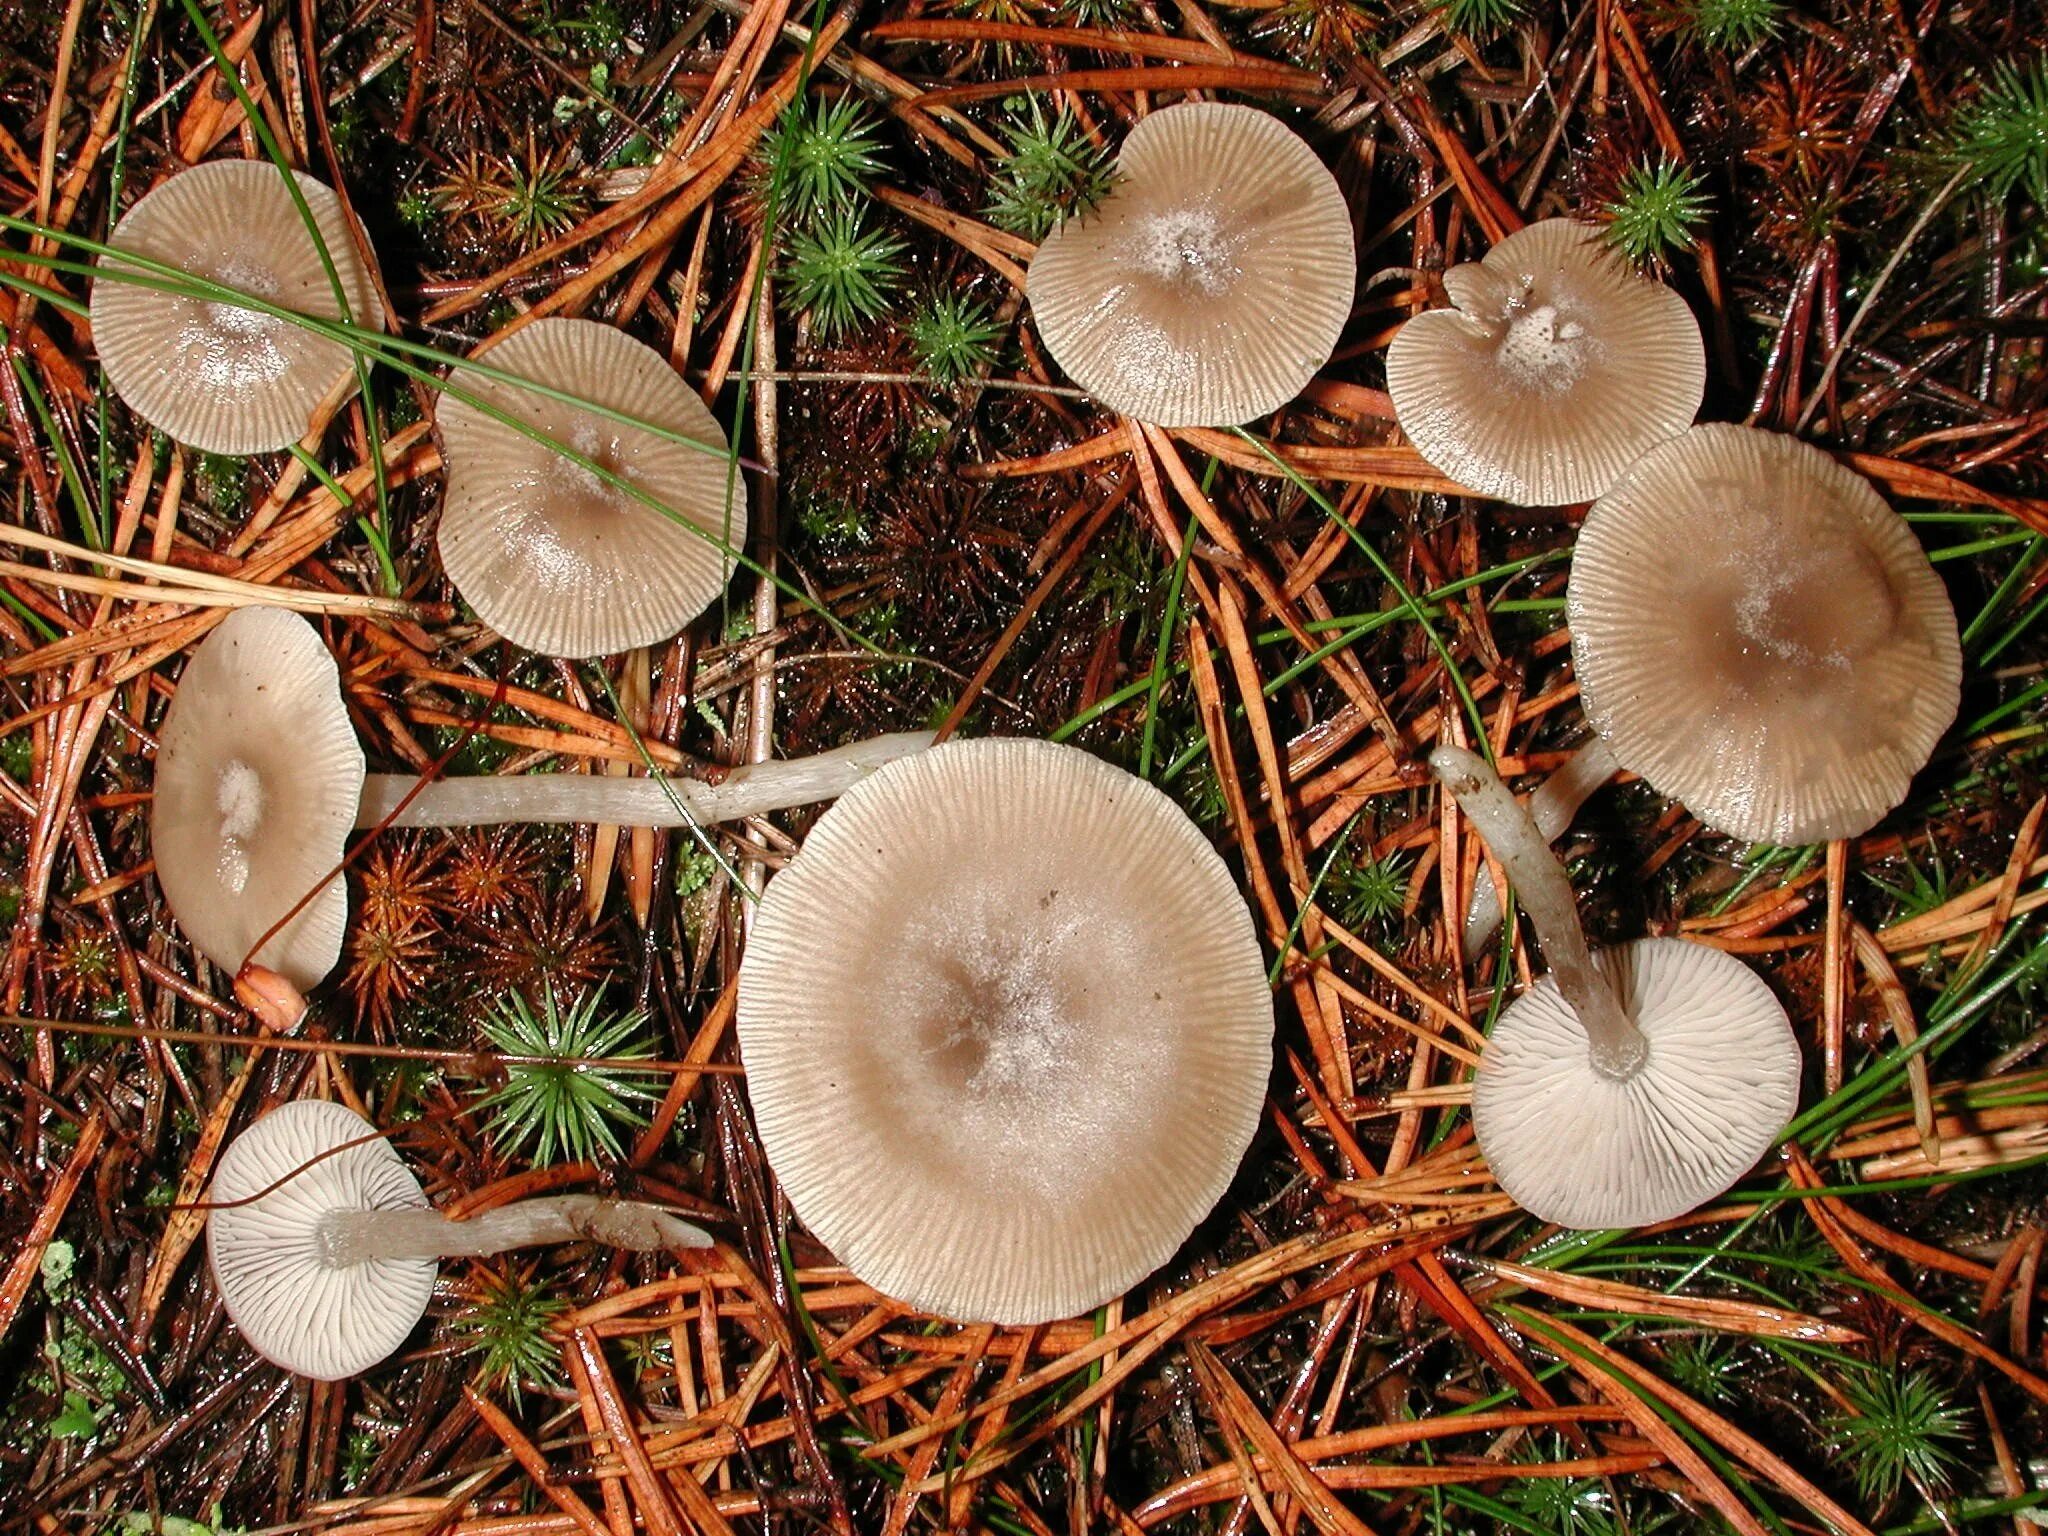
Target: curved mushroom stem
x: 484, y: 799
x: 357, y: 1237
x: 1552, y: 807
x: 1617, y: 1047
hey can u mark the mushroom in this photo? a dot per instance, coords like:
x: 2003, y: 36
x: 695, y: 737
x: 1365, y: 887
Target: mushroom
x: 1556, y: 367
x: 325, y: 1249
x: 217, y: 376
x: 1625, y: 1087
x: 1757, y: 634
x: 1006, y: 1029
x: 550, y: 555
x: 1211, y: 283
x: 259, y: 779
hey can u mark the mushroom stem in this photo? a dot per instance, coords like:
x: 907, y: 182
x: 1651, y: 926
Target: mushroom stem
x: 357, y: 1237
x: 1617, y: 1048
x: 752, y: 790
x: 1552, y: 807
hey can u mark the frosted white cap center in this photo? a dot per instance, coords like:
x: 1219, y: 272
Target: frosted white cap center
x: 239, y: 799
x: 993, y: 1028
x: 999, y: 1021
x: 588, y: 439
x: 232, y: 347
x: 1543, y: 348
x: 1187, y: 247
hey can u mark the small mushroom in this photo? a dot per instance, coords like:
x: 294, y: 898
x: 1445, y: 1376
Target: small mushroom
x: 325, y: 1249
x: 1006, y: 1030
x: 550, y: 555
x: 1757, y: 634
x: 220, y: 377
x: 1556, y: 368
x: 1211, y: 283
x: 259, y: 778
x: 1625, y: 1087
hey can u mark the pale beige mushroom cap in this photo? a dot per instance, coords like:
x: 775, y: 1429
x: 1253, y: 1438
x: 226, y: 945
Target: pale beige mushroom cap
x: 1761, y: 637
x: 549, y: 555
x: 1212, y: 283
x: 257, y: 778
x: 224, y: 379
x: 1006, y: 1030
x: 1557, y: 367
x: 1583, y: 1150
x: 295, y: 1307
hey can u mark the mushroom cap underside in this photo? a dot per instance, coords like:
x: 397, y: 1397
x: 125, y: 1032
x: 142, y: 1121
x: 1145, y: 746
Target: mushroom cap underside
x: 294, y: 1308
x: 1580, y: 1149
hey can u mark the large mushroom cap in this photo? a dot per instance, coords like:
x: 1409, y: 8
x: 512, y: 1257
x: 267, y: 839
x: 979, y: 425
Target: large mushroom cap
x: 1556, y: 368
x: 554, y: 558
x: 1212, y: 283
x: 1761, y: 637
x: 225, y: 379
x: 294, y: 1307
x: 1006, y: 1029
x: 1583, y: 1150
x: 257, y: 778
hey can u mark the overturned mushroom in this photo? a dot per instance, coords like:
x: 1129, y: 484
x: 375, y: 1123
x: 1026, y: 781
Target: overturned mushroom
x: 1006, y: 1029
x: 550, y: 555
x: 1212, y: 283
x: 259, y: 779
x: 1625, y: 1087
x: 218, y: 376
x: 1757, y: 634
x: 325, y: 1248
x: 1556, y: 367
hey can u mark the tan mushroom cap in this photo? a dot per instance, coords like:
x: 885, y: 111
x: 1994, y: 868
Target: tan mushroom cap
x: 224, y: 379
x: 1006, y: 1030
x: 1212, y: 283
x: 257, y: 778
x: 554, y: 558
x: 1555, y: 370
x: 1583, y: 1150
x: 295, y: 1307
x: 1761, y: 637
